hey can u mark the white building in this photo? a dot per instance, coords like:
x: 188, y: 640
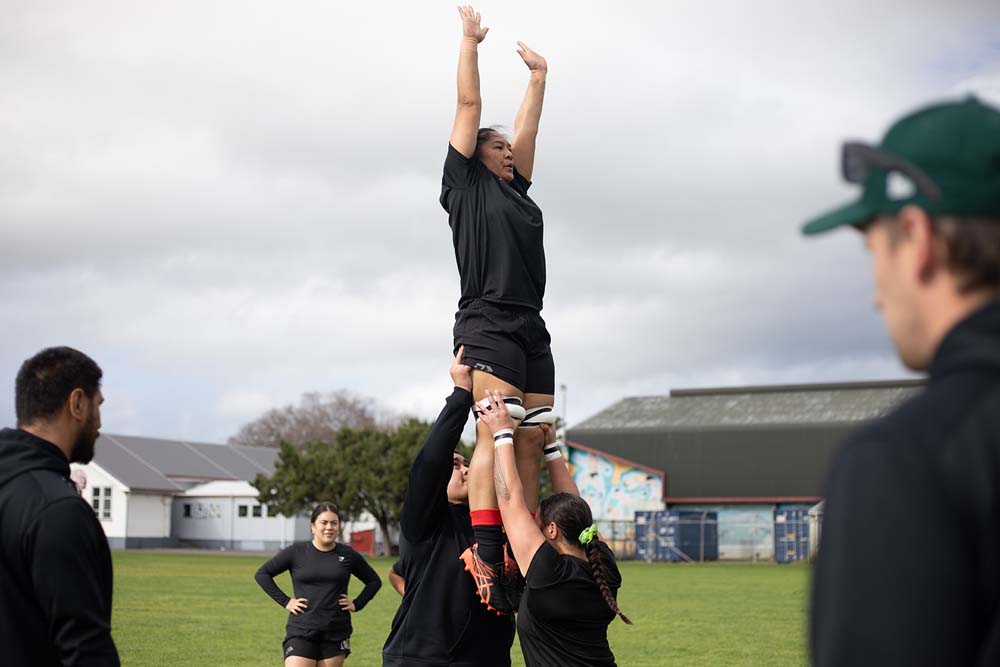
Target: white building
x: 150, y: 493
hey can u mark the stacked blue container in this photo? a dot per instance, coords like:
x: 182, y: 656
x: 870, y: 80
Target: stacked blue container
x: 791, y: 535
x: 676, y: 536
x: 691, y: 536
x: 645, y: 535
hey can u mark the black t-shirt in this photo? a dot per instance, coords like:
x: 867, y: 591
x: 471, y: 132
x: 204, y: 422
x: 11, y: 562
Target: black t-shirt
x: 320, y: 577
x: 497, y: 232
x: 563, y: 618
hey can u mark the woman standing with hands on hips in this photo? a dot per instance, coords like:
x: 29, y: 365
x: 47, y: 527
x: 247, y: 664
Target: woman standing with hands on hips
x: 497, y: 234
x: 318, y: 632
x: 571, y: 578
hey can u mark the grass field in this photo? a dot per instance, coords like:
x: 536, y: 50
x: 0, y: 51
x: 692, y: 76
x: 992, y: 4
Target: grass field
x: 181, y: 609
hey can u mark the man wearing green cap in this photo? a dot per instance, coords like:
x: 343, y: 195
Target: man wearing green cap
x: 909, y: 566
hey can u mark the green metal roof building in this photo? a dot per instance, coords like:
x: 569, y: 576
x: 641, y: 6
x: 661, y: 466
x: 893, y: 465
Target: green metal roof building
x: 760, y: 444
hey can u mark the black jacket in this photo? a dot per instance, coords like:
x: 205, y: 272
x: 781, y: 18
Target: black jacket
x: 909, y: 565
x: 55, y: 565
x: 440, y: 621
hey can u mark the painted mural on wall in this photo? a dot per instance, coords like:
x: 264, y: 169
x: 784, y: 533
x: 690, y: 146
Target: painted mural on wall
x: 613, y: 488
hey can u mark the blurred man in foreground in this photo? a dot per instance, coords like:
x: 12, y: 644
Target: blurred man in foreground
x: 909, y: 566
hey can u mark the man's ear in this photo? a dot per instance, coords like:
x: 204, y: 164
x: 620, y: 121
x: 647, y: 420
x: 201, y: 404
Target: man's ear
x: 927, y: 253
x: 78, y: 403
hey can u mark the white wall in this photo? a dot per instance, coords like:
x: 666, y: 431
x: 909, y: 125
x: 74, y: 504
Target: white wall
x: 116, y: 526
x: 148, y: 515
x: 210, y: 518
x: 217, y: 519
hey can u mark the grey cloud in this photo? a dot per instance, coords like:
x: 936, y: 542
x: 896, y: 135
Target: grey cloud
x: 232, y: 203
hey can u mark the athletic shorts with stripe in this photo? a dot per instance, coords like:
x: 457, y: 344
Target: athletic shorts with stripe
x: 318, y: 646
x: 509, y: 342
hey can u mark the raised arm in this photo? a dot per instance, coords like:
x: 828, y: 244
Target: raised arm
x: 524, y: 535
x: 426, y: 495
x: 562, y: 480
x: 470, y: 103
x: 526, y: 122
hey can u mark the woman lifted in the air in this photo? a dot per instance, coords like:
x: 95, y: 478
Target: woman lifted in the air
x: 497, y: 233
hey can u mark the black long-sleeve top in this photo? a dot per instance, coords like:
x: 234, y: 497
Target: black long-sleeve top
x: 55, y: 565
x: 320, y: 577
x: 908, y: 571
x: 440, y: 621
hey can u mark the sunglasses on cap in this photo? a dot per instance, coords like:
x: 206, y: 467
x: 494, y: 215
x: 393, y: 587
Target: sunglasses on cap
x: 858, y: 160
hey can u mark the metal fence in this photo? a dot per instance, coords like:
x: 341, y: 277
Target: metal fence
x: 696, y: 539
x: 757, y: 539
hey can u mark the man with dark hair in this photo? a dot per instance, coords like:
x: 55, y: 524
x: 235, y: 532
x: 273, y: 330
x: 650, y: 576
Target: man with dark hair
x: 55, y: 565
x: 908, y: 571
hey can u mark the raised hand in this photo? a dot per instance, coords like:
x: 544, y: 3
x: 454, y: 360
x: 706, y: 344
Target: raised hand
x: 470, y: 24
x: 495, y: 416
x: 461, y: 374
x: 535, y: 62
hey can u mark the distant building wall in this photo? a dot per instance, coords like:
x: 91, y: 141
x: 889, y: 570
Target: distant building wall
x: 98, y: 482
x: 615, y: 489
x: 148, y: 515
x: 215, y: 522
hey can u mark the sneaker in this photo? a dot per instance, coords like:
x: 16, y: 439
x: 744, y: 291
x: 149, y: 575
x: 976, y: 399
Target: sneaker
x: 491, y: 594
x: 512, y: 580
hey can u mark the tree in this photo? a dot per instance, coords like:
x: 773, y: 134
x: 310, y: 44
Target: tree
x: 380, y: 461
x: 365, y: 471
x: 304, y: 477
x: 317, y: 418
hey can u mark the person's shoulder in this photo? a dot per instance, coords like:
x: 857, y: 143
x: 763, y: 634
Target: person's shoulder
x: 347, y: 551
x: 546, y: 566
x: 43, y: 487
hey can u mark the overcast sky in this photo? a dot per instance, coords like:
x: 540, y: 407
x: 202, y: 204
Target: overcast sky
x: 227, y: 204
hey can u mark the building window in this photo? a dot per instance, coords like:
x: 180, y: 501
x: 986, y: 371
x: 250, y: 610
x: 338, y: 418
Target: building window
x: 101, y: 501
x: 256, y: 510
x: 187, y: 510
x: 242, y: 510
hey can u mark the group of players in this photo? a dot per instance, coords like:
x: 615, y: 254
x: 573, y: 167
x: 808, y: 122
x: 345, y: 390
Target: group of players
x: 476, y: 545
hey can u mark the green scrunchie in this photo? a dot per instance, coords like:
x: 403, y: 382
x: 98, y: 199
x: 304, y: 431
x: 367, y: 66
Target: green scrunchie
x: 588, y: 534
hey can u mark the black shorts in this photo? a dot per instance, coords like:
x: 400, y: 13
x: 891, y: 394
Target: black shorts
x: 509, y: 342
x: 317, y: 646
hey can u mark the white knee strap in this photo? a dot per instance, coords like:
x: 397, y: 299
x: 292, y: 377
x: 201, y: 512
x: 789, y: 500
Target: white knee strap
x: 542, y: 414
x: 513, y: 404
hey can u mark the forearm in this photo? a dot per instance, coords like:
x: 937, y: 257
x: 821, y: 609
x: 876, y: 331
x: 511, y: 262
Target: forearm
x: 530, y: 112
x: 431, y: 469
x: 397, y: 582
x: 562, y: 480
x: 271, y: 588
x: 468, y: 74
x: 510, y: 492
x: 372, y: 587
x: 435, y: 454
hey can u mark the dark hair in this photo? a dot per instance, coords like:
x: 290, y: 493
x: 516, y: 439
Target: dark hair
x: 323, y: 507
x: 484, y: 134
x: 973, y: 250
x: 972, y: 247
x: 46, y: 380
x: 572, y: 515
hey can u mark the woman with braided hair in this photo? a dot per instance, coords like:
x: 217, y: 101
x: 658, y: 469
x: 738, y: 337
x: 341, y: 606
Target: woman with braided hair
x: 571, y: 578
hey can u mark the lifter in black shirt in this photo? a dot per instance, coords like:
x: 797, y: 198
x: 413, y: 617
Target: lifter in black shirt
x: 318, y: 633
x: 497, y: 235
x: 571, y: 577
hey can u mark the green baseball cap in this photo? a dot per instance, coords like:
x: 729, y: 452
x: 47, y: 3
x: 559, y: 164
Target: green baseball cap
x: 944, y: 158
